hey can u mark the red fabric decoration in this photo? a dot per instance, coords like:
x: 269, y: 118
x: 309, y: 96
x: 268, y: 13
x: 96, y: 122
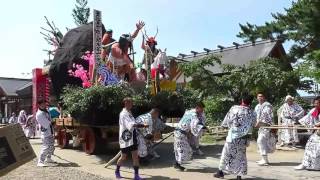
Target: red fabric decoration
x: 316, y: 112
x: 153, y: 73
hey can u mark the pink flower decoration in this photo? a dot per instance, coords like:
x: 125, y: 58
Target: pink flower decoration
x: 86, y: 84
x: 88, y: 56
x: 82, y: 73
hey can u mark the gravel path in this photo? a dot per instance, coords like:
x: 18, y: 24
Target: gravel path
x: 76, y: 165
x: 29, y: 171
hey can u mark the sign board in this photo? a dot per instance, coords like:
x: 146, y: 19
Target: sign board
x: 165, y: 85
x: 15, y: 148
x: 97, y: 40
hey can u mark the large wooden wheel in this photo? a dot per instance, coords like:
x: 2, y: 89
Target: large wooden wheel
x: 88, y: 140
x: 63, y: 138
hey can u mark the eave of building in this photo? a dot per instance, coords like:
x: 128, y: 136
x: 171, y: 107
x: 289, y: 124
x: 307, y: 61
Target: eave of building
x: 236, y: 55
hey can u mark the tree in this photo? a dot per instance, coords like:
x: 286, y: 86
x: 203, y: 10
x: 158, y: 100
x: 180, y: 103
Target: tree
x: 299, y: 24
x: 202, y: 79
x: 53, y: 36
x: 220, y: 91
x: 81, y: 12
x: 269, y: 75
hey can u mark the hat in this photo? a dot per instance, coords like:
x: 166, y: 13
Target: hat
x: 126, y: 37
x: 152, y: 40
x: 109, y: 31
x: 288, y: 97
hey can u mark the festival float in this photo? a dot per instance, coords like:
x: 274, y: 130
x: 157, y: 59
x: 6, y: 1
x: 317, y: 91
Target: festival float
x: 91, y: 91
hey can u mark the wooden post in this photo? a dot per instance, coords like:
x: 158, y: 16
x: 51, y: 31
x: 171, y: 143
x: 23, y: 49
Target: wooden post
x: 157, y: 82
x: 279, y: 123
x: 97, y: 43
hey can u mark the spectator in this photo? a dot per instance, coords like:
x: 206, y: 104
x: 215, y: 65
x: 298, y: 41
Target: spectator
x: 13, y: 119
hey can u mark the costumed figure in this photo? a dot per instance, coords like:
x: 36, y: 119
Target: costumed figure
x: 290, y: 114
x: 119, y: 61
x: 239, y: 120
x: 159, y: 65
x: 190, y: 124
x: 311, y: 158
x: 47, y: 134
x: 266, y: 138
x: 107, y: 40
x: 150, y: 50
x: 128, y: 138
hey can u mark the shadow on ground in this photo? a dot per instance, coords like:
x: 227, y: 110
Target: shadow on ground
x: 257, y: 178
x: 147, y: 176
x: 67, y: 163
x: 167, y: 159
x: 203, y: 170
x: 161, y: 178
x: 284, y: 164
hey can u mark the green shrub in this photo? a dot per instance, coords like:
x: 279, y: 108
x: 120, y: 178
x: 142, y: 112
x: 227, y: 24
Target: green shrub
x: 97, y: 105
x: 170, y: 103
x: 101, y: 105
x: 141, y: 104
x: 216, y: 109
x: 190, y: 97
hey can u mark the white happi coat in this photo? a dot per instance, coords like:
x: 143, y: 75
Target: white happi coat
x: 266, y: 139
x: 311, y: 158
x: 22, y: 119
x: 195, y: 140
x: 289, y: 115
x: 44, y: 120
x: 239, y: 120
x: 127, y: 131
x: 13, y: 120
x: 189, y: 124
x: 47, y: 134
x: 144, y: 145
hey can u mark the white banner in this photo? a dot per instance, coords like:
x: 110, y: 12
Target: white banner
x: 97, y: 36
x: 97, y: 39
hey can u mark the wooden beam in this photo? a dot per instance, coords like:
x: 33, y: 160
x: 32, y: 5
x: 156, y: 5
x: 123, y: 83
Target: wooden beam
x: 194, y: 53
x: 182, y: 55
x: 236, y: 44
x: 206, y: 50
x: 221, y: 47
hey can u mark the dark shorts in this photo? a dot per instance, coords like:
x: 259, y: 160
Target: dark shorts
x: 129, y: 149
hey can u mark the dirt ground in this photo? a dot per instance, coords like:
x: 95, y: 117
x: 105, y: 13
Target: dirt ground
x: 76, y: 165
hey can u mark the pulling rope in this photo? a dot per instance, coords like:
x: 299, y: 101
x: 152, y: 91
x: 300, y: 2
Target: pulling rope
x: 116, y: 157
x: 290, y: 127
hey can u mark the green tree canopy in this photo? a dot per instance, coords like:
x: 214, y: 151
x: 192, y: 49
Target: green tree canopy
x: 268, y: 75
x: 298, y: 24
x: 81, y: 12
x: 202, y: 78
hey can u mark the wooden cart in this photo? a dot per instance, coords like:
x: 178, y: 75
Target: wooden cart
x: 91, y: 138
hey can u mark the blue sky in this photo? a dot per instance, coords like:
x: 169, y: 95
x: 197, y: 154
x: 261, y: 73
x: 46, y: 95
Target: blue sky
x: 184, y: 25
